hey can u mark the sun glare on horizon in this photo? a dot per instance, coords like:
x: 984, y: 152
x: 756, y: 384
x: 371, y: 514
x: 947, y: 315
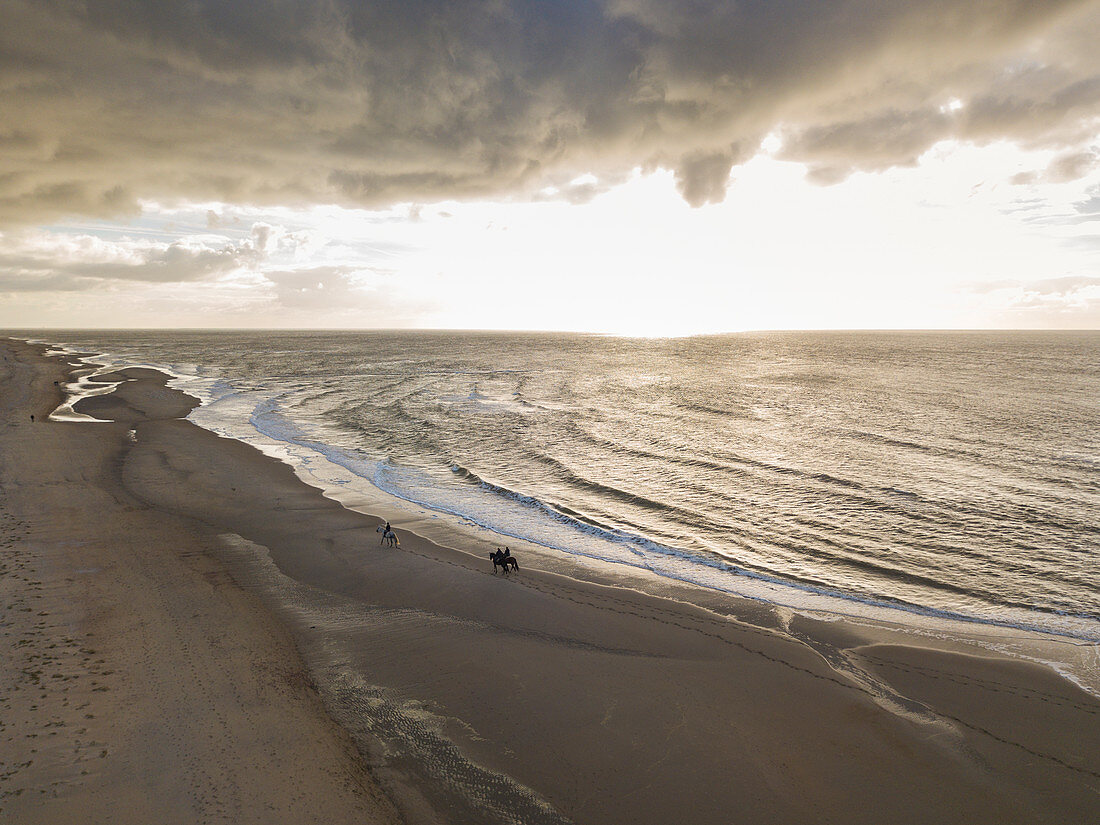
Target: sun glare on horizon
x: 934, y: 246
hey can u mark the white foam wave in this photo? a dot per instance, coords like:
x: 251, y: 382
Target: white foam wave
x: 524, y: 518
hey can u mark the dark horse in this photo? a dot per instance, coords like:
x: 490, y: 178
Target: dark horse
x: 503, y: 562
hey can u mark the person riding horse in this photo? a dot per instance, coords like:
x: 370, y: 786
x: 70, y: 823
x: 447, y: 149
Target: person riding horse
x: 504, y: 560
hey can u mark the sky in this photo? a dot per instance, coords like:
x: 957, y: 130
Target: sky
x: 634, y: 167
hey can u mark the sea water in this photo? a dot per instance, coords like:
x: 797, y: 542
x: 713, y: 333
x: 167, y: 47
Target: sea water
x: 934, y: 474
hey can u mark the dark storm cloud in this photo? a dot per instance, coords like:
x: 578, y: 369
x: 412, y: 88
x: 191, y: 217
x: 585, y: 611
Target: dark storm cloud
x: 701, y: 177
x: 103, y: 104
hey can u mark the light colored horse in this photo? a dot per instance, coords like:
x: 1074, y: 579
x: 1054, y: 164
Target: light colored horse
x: 388, y: 535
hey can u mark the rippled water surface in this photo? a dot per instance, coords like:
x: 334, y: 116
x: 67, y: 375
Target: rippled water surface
x: 955, y: 472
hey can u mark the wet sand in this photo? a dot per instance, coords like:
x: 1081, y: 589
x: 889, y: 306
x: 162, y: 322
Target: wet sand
x: 226, y: 604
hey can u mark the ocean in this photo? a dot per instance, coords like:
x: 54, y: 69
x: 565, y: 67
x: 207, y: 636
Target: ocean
x: 939, y: 474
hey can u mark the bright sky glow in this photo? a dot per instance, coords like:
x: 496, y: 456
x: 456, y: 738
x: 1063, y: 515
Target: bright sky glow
x: 949, y: 243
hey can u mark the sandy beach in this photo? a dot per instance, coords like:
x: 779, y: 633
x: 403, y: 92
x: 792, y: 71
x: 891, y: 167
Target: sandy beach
x: 192, y: 634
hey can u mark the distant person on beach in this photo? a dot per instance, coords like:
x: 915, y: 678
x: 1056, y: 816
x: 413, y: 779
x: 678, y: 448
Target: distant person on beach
x: 32, y: 418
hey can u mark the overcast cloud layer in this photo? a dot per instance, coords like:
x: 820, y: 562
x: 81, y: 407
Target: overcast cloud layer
x: 104, y: 104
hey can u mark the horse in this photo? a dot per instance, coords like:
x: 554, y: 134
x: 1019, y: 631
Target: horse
x: 503, y: 562
x: 388, y: 535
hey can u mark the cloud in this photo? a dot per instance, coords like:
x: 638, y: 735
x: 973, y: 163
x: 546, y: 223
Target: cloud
x: 1067, y: 302
x: 1088, y: 242
x: 106, y: 105
x: 37, y: 281
x: 1068, y: 166
x: 1066, y: 286
x: 870, y: 143
x: 319, y: 287
x: 702, y: 177
x: 44, y: 261
x: 1092, y: 205
x: 342, y: 296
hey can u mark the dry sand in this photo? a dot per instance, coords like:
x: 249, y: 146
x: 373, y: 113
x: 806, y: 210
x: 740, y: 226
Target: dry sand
x: 140, y: 685
x: 178, y: 609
